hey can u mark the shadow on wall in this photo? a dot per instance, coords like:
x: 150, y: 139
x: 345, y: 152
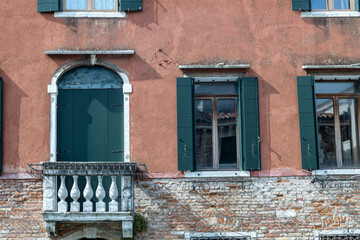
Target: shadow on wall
x: 265, y: 92
x: 148, y: 15
x: 12, y: 95
x: 141, y: 70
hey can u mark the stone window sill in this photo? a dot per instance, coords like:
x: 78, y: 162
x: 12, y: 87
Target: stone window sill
x: 336, y: 172
x: 90, y: 14
x: 206, y: 174
x: 330, y: 14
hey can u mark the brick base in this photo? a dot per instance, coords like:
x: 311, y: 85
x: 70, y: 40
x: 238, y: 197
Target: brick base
x: 273, y: 208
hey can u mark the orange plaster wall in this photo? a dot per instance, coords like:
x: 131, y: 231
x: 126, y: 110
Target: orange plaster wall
x: 271, y: 37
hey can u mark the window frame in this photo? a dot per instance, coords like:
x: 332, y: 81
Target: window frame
x: 336, y: 97
x: 330, y: 7
x: 215, y: 139
x: 90, y: 7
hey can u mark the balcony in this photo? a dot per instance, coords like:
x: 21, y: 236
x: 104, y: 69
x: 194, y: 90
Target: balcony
x: 85, y: 192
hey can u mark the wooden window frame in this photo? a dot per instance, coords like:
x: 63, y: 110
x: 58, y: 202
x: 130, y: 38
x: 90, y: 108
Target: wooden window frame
x: 330, y: 6
x: 335, y: 98
x: 215, y: 140
x: 90, y: 5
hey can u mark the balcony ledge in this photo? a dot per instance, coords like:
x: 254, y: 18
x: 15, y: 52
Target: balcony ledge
x: 87, y: 216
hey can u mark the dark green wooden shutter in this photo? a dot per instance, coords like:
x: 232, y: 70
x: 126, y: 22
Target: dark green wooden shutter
x: 249, y: 101
x: 185, y: 123
x: 130, y: 5
x: 357, y: 3
x: 1, y: 103
x: 308, y: 122
x: 48, y: 5
x: 301, y: 5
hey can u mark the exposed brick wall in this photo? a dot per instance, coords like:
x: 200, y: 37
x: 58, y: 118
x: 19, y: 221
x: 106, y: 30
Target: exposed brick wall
x: 20, y: 209
x: 290, y: 207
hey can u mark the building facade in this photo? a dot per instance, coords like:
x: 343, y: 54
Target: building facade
x: 230, y: 119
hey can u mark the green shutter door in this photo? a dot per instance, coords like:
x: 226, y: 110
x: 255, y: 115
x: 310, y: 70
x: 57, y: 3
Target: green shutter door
x: 250, y: 135
x: 90, y: 125
x: 48, y: 5
x: 357, y: 3
x: 185, y: 123
x: 130, y: 5
x: 1, y: 104
x: 301, y: 5
x: 308, y: 122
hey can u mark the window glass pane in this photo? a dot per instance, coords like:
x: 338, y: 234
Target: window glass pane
x: 104, y: 4
x: 215, y: 88
x: 75, y: 4
x: 326, y: 133
x: 226, y: 118
x: 204, y: 149
x: 348, y: 132
x: 341, y: 4
x: 318, y: 4
x: 335, y: 87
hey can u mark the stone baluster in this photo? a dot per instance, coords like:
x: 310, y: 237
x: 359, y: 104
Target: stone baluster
x: 100, y: 195
x: 62, y: 194
x: 127, y: 197
x: 75, y: 194
x: 114, y: 193
x: 88, y: 194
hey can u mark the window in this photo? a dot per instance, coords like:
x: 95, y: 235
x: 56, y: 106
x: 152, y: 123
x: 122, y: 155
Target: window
x: 337, y: 116
x: 218, y: 124
x: 220, y: 238
x: 329, y: 120
x: 90, y: 5
x: 332, y: 5
x: 340, y: 237
x: 327, y: 6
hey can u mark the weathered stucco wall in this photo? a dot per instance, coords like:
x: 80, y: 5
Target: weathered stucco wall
x: 271, y: 37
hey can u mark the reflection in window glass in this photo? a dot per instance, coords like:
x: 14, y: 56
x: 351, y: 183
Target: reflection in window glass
x: 326, y: 133
x: 335, y: 87
x: 348, y: 132
x: 204, y: 150
x: 226, y: 118
x: 215, y: 88
x: 104, y: 4
x: 341, y: 4
x: 75, y: 4
x: 318, y: 4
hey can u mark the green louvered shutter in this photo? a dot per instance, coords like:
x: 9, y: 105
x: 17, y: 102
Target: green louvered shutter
x: 357, y: 3
x: 301, y: 5
x: 185, y: 123
x: 308, y: 122
x: 130, y: 5
x: 48, y: 5
x: 249, y: 101
x: 1, y: 100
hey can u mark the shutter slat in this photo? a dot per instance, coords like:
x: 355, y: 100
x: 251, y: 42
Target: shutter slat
x: 130, y: 5
x: 301, y: 5
x: 308, y: 122
x: 185, y: 123
x: 249, y: 137
x: 48, y: 5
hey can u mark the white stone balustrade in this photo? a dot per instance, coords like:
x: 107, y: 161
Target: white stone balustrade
x: 88, y: 192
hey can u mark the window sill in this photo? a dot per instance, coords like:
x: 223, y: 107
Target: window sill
x: 205, y: 174
x: 330, y: 14
x: 336, y: 172
x: 90, y: 14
